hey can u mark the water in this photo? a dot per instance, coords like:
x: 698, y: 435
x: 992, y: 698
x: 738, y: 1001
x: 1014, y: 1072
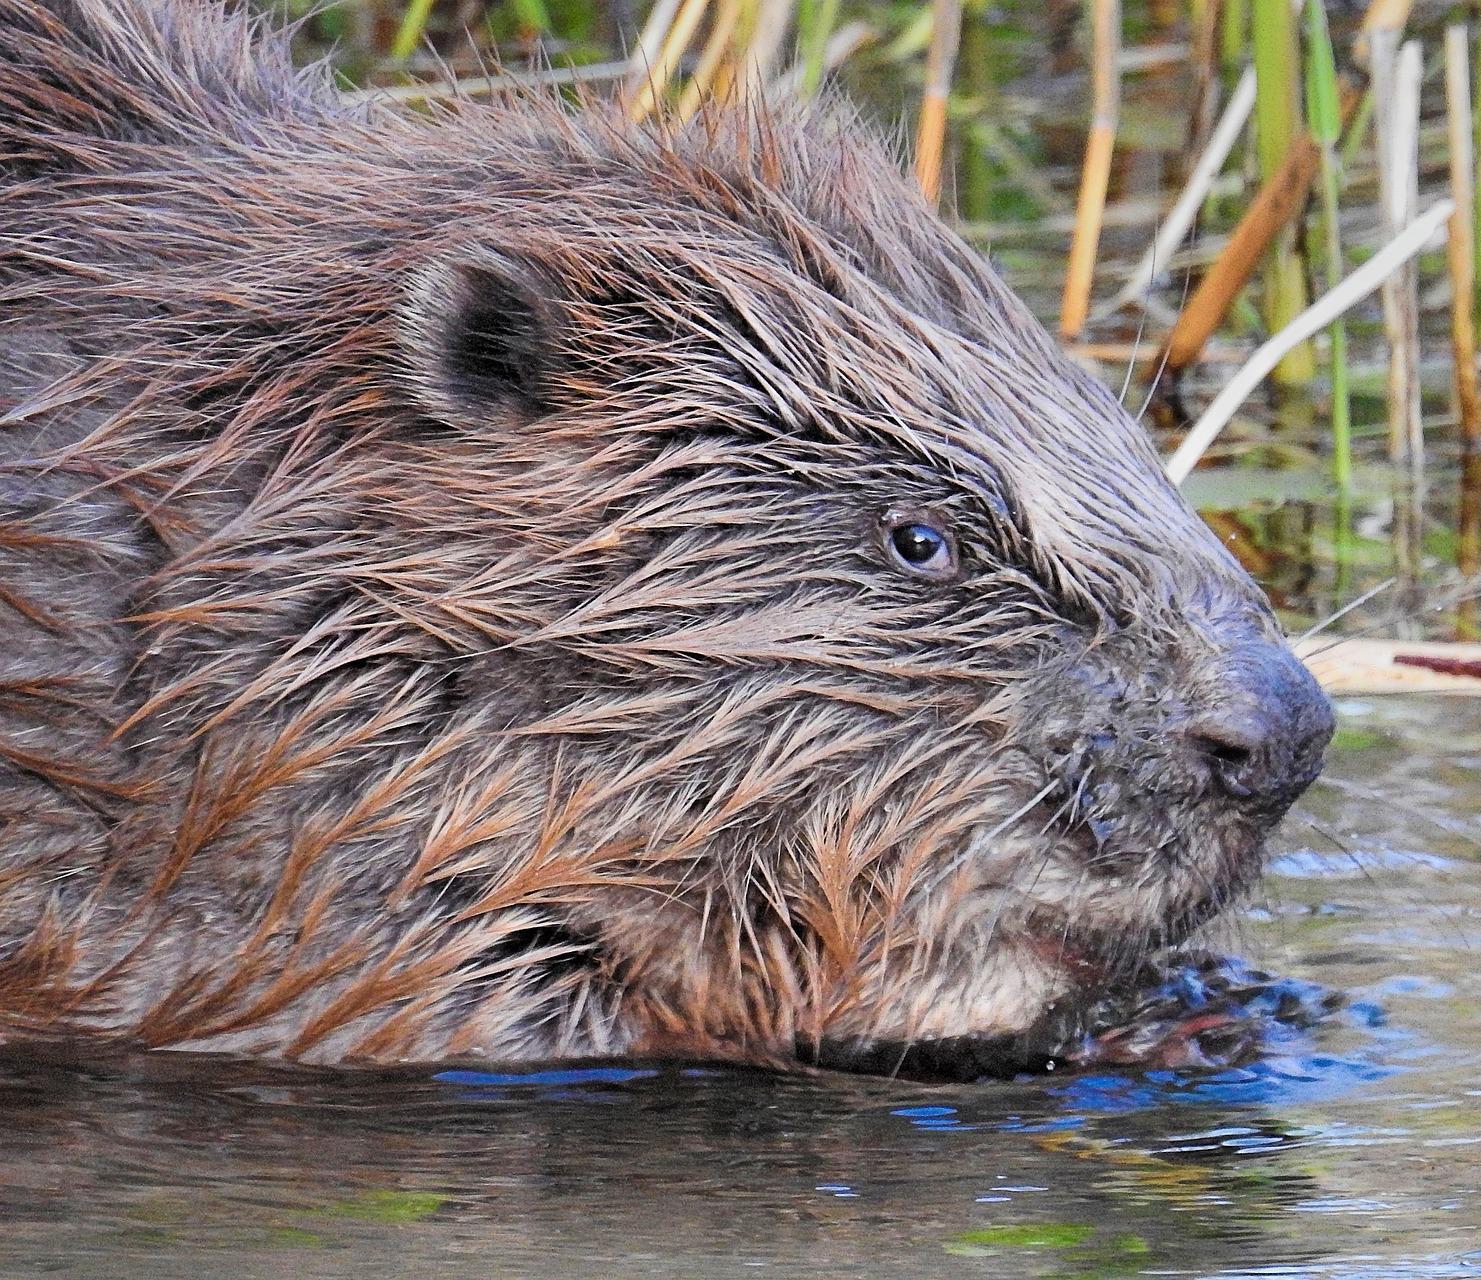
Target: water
x: 1353, y: 1150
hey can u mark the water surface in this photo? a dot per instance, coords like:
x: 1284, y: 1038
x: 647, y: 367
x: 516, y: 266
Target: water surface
x: 1350, y: 1151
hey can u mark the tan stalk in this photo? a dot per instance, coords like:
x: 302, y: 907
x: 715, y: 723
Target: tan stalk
x: 1381, y: 15
x: 644, y: 55
x: 507, y: 82
x: 676, y: 40
x: 1095, y: 176
x: 1203, y: 53
x: 725, y: 82
x: 1461, y: 246
x: 702, y: 84
x: 1362, y: 281
x: 930, y: 137
x: 1396, y: 75
x: 1273, y: 208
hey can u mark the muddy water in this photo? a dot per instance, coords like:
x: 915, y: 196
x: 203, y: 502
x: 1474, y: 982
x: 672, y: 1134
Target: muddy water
x: 1350, y: 1151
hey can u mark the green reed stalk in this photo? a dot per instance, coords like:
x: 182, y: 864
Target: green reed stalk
x: 1357, y: 129
x: 1234, y: 27
x: 977, y: 94
x: 1277, y: 126
x: 413, y: 27
x: 1324, y: 119
x: 815, y: 22
x: 532, y: 17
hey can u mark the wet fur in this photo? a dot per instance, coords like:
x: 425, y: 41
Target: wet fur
x: 442, y: 602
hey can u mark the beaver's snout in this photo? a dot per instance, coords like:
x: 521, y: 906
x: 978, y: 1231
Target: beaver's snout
x: 1168, y: 772
x: 1261, y: 742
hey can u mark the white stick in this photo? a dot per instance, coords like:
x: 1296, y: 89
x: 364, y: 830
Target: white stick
x: 1408, y: 74
x: 473, y: 86
x: 1353, y: 289
x: 641, y: 61
x: 1181, y: 216
x: 1404, y: 192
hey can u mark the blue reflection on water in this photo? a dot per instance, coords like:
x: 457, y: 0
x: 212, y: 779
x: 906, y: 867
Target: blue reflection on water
x: 1280, y: 1081
x: 932, y: 1117
x: 558, y: 1084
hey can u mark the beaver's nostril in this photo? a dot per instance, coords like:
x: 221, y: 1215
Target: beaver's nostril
x: 1230, y: 740
x: 1263, y: 740
x: 1229, y: 736
x: 1224, y: 752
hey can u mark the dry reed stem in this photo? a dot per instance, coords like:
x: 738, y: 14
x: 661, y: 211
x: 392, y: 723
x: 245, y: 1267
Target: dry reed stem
x: 492, y: 84
x: 1354, y: 288
x: 1460, y: 248
x: 717, y: 44
x: 930, y: 137
x: 1381, y: 15
x: 1181, y: 216
x: 645, y: 53
x: 1203, y: 55
x: 676, y: 40
x: 1396, y: 80
x: 1273, y: 208
x: 1105, y: 85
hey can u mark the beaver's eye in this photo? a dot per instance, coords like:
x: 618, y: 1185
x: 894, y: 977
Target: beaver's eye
x: 921, y: 545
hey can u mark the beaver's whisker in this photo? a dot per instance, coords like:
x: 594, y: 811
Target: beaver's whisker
x: 1136, y: 346
x: 1408, y: 807
x: 1000, y: 827
x: 1156, y: 379
x: 1338, y: 614
x: 1417, y: 897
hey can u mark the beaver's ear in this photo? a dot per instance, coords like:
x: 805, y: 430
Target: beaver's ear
x: 481, y: 335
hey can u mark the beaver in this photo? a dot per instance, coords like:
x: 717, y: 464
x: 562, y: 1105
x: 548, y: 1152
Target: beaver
x: 508, y: 583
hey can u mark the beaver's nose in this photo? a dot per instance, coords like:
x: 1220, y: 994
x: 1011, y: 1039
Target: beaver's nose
x: 1263, y: 737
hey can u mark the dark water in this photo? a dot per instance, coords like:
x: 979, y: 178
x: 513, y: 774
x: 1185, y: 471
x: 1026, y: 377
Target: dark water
x: 1350, y: 1151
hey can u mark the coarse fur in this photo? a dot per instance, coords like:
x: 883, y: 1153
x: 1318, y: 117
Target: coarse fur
x: 446, y: 600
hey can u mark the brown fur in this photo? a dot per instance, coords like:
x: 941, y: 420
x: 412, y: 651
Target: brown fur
x: 443, y: 602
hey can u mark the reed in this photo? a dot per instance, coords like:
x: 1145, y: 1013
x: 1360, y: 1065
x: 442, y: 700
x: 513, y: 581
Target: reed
x: 411, y: 31
x: 1396, y: 79
x: 1324, y: 119
x: 1476, y: 133
x: 1461, y: 247
x: 930, y: 135
x: 1234, y: 34
x: 1096, y: 173
x: 1277, y: 129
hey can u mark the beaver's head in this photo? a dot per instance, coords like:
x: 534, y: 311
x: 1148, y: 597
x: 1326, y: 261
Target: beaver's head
x: 858, y: 625
x: 555, y: 589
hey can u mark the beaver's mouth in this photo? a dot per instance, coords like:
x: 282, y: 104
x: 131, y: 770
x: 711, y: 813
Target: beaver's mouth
x: 1145, y: 884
